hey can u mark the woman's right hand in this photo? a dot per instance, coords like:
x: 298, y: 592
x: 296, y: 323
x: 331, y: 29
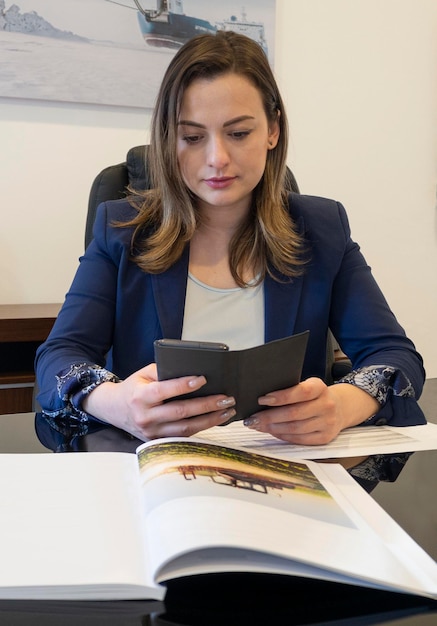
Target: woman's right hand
x: 148, y: 408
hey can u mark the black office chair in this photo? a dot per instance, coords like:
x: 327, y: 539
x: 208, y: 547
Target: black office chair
x: 112, y: 183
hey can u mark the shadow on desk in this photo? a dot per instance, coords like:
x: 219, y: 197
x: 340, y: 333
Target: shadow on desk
x: 235, y: 600
x: 243, y: 600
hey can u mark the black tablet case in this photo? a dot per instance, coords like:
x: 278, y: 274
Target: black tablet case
x: 244, y: 374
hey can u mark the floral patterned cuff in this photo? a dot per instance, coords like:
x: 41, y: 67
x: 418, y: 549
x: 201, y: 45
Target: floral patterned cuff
x: 380, y: 381
x: 73, y: 385
x: 379, y: 468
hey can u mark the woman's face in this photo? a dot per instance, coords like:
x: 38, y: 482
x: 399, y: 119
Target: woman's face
x: 223, y: 139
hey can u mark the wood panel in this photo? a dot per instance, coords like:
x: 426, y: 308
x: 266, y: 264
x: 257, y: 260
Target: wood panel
x: 23, y: 327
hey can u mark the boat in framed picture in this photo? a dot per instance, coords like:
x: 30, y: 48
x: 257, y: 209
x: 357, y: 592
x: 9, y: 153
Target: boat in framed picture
x: 167, y: 24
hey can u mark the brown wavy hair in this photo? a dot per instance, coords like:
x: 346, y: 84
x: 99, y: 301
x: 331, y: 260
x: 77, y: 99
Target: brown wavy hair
x: 267, y: 242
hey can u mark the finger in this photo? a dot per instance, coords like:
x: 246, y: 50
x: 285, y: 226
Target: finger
x: 160, y: 391
x: 192, y: 426
x: 278, y: 421
x: 303, y: 392
x: 313, y: 431
x: 186, y: 427
x: 289, y: 413
x: 179, y: 410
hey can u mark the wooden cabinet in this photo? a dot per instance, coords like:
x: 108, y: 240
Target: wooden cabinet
x: 23, y: 327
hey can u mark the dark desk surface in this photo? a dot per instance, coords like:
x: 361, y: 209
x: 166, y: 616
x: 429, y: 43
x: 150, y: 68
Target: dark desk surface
x: 243, y: 600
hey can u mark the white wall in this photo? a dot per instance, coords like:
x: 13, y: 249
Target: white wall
x: 49, y: 156
x: 359, y: 81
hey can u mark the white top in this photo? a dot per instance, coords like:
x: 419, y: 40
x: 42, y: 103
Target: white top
x: 232, y: 316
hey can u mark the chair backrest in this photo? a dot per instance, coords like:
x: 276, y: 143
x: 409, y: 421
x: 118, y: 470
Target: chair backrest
x: 112, y: 183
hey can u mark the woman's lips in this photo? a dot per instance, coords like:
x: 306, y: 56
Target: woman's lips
x: 220, y: 183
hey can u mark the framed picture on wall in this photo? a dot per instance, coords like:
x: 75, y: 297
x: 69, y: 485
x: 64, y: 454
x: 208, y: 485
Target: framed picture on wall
x: 110, y: 52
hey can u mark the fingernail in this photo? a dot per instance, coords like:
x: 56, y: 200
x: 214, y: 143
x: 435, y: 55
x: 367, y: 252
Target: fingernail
x: 228, y: 414
x: 267, y: 400
x: 251, y: 422
x: 226, y: 402
x: 198, y: 381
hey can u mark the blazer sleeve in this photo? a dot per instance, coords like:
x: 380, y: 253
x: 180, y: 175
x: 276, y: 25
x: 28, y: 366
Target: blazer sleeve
x: 83, y: 331
x: 369, y: 333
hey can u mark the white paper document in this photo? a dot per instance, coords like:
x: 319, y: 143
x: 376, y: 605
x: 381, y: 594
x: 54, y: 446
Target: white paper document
x: 356, y: 441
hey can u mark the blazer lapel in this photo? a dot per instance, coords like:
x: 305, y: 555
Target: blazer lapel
x: 281, y: 302
x: 169, y: 289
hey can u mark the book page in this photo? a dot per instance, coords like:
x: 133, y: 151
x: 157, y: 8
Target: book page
x: 356, y: 441
x: 211, y: 508
x: 71, y: 527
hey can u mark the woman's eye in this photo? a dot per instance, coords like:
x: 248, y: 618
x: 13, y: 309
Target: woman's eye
x: 197, y: 138
x: 192, y: 138
x: 240, y: 134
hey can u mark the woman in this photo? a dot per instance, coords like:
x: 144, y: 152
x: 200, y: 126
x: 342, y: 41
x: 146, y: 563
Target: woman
x: 218, y: 251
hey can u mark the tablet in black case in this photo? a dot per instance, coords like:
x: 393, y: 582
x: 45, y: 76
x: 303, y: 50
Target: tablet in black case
x: 244, y: 374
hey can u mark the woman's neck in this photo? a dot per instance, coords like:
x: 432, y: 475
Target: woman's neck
x: 209, y: 257
x: 209, y: 246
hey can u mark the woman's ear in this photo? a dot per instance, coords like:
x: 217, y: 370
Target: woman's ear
x: 274, y: 133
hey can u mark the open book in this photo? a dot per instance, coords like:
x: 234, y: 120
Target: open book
x: 119, y: 526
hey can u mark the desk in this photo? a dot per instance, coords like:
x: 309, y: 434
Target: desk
x: 242, y: 600
x: 23, y: 327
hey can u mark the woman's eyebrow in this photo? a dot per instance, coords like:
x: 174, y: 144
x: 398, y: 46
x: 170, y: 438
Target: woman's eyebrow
x: 235, y: 120
x: 188, y: 123
x: 241, y: 118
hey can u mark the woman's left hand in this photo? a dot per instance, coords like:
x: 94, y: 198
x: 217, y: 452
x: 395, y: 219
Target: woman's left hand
x: 312, y: 413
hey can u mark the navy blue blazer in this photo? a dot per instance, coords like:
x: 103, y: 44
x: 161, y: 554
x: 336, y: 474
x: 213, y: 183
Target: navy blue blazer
x: 114, y: 308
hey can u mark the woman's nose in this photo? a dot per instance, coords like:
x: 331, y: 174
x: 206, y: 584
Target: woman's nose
x: 218, y: 156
